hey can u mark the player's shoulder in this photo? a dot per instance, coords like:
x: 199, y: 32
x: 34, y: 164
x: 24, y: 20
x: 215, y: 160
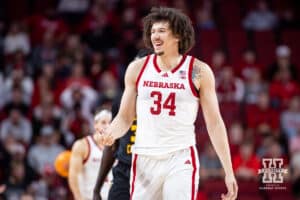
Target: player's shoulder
x: 80, y: 145
x: 137, y: 64
x: 201, y: 64
x: 135, y: 67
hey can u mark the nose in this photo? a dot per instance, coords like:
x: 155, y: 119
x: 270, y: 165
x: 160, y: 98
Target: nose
x: 155, y: 35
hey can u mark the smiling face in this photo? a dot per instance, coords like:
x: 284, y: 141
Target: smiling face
x: 162, y: 38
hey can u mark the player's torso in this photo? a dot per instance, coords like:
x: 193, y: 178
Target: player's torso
x: 91, y: 165
x: 166, y: 108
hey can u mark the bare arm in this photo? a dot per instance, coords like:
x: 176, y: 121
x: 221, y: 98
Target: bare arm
x: 215, y: 125
x: 107, y: 161
x: 79, y: 150
x: 127, y: 112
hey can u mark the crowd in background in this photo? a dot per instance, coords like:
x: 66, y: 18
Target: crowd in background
x: 62, y: 60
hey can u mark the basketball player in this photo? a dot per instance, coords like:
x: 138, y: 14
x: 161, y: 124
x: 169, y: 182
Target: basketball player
x: 85, y: 160
x: 120, y: 150
x: 164, y: 91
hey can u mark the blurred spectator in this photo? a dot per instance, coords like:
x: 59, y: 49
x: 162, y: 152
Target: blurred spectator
x: 97, y: 67
x: 262, y: 118
x: 254, y: 85
x: 4, y: 162
x: 39, y: 24
x: 264, y: 147
x: 26, y: 196
x: 283, y: 89
x: 16, y: 39
x: 248, y: 64
x: 229, y: 87
x: 45, y: 52
x: 45, y: 150
x: 210, y: 164
x: 246, y: 163
x: 288, y: 19
x: 204, y: 19
x: 83, y: 95
x: 108, y: 85
x: 17, y: 101
x: 290, y: 119
x: 260, y: 19
x: 17, y: 60
x: 295, y: 165
x: 236, y: 137
x: 46, y: 113
x: 282, y: 63
x: 218, y: 61
x: 46, y: 84
x: 49, y: 186
x: 19, y: 79
x: 78, y: 76
x: 17, y: 126
x: 98, y: 32
x: 73, y: 11
x: 16, y: 183
x: 76, y: 125
x: 2, y: 93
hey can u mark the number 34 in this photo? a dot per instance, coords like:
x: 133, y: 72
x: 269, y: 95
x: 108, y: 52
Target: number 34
x: 169, y: 103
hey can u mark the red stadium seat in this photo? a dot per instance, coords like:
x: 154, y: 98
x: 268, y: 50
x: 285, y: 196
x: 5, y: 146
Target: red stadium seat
x: 236, y: 43
x: 209, y: 41
x: 291, y: 39
x: 265, y: 46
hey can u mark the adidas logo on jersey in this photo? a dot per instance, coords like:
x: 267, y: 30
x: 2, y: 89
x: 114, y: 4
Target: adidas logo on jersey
x: 165, y: 74
x: 188, y: 162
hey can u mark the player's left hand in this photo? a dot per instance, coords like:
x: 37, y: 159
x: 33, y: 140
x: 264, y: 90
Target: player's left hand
x: 232, y: 188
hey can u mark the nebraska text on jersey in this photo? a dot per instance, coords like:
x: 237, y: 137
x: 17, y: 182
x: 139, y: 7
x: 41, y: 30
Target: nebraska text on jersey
x: 157, y: 84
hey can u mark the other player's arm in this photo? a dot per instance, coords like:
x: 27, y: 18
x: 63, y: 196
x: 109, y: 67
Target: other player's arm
x: 107, y: 161
x: 79, y: 151
x: 214, y: 123
x: 127, y: 112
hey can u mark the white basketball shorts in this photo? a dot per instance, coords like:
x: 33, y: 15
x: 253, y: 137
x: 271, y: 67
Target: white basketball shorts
x: 174, y: 176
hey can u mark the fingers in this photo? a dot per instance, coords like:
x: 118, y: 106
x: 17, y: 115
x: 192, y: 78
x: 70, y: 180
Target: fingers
x: 232, y: 191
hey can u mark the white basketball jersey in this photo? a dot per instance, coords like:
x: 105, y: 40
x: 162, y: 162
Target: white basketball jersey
x: 167, y: 107
x: 87, y: 179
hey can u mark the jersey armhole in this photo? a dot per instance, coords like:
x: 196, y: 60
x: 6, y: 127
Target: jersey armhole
x: 89, y: 150
x: 195, y: 91
x: 141, y: 72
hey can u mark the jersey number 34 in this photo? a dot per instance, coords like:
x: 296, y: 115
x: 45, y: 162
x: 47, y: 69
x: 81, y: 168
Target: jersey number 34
x: 168, y: 104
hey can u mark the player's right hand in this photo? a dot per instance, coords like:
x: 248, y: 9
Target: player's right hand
x: 232, y: 188
x: 106, y: 137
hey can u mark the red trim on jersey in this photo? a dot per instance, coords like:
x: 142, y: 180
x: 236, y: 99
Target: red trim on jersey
x: 89, y: 150
x: 194, y: 172
x: 192, y: 86
x: 133, y: 175
x: 174, y: 69
x: 142, y: 70
x: 179, y: 65
x: 94, y: 141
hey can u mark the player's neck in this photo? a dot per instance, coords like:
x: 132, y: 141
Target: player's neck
x: 167, y: 62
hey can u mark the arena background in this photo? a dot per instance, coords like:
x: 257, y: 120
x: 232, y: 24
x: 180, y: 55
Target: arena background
x: 61, y: 60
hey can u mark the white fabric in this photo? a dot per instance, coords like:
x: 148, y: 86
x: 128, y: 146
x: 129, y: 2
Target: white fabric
x: 168, y: 130
x: 166, y: 177
x: 87, y: 179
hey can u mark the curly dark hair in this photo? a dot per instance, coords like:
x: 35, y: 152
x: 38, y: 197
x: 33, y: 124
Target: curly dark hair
x: 180, y: 25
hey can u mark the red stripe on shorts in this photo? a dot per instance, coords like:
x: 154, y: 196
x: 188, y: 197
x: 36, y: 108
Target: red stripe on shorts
x: 133, y: 175
x: 194, y: 171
